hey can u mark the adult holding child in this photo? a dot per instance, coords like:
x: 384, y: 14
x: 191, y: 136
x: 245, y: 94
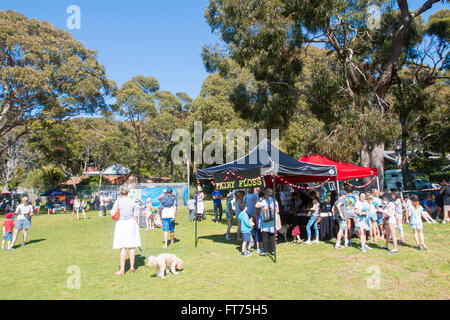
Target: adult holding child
x: 126, y: 233
x: 168, y: 212
x: 24, y: 213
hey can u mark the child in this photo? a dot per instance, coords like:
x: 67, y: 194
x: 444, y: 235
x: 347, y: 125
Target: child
x: 76, y: 208
x: 191, y: 207
x: 372, y: 219
x: 7, y: 230
x: 246, y: 230
x: 84, y: 207
x: 399, y: 215
x: 390, y: 221
x: 349, y: 212
x: 362, y: 224
x: 340, y: 218
x: 415, y: 213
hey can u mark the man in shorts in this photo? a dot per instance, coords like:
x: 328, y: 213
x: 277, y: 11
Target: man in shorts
x: 430, y: 206
x: 168, y: 205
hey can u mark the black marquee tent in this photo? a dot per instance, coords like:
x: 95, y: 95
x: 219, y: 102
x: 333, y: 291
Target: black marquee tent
x: 268, y: 162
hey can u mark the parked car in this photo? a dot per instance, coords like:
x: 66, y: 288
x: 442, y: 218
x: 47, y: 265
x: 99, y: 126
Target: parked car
x: 393, y: 179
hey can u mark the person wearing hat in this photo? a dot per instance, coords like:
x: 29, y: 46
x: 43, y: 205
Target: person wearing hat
x: 390, y: 221
x: 8, y: 225
x: 340, y: 218
x: 267, y: 227
x: 168, y: 205
x: 199, y: 197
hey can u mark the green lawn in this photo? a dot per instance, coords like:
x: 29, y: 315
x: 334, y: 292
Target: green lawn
x: 215, y: 269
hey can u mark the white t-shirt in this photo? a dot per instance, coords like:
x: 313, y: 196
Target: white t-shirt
x: 22, y: 210
x: 191, y: 204
x: 168, y: 213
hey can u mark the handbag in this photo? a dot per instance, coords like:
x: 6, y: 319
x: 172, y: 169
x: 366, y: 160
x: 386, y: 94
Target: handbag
x: 267, y: 215
x: 116, y: 216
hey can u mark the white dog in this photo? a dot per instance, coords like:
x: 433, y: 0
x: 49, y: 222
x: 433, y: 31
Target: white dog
x: 165, y: 261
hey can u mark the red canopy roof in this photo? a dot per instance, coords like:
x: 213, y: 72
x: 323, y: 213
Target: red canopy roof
x: 345, y: 171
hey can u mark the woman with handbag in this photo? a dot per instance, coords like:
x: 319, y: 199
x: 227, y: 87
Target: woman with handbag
x: 126, y: 234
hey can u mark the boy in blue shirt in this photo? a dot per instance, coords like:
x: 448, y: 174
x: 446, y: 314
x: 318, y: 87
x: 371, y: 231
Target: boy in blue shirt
x: 246, y: 230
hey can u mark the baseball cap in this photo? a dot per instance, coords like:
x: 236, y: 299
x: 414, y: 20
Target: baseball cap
x: 9, y: 215
x: 169, y: 190
x: 268, y: 191
x: 342, y: 193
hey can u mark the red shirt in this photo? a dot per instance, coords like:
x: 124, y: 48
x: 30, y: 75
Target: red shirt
x: 8, y: 224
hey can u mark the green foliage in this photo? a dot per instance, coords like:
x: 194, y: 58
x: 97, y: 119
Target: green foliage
x: 46, y: 74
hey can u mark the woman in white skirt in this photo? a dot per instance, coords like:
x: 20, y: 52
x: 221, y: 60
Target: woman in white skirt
x: 126, y: 234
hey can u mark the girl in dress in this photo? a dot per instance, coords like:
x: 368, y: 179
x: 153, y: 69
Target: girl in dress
x: 149, y: 218
x: 83, y: 207
x: 362, y: 223
x: 415, y: 213
x: 76, y: 208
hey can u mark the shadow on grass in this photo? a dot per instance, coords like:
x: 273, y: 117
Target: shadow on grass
x: 30, y: 243
x: 139, y: 261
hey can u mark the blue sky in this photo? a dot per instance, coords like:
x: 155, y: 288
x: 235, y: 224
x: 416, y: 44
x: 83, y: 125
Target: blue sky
x: 155, y: 38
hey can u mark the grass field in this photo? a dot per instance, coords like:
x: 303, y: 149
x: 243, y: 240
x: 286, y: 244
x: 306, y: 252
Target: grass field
x: 215, y: 269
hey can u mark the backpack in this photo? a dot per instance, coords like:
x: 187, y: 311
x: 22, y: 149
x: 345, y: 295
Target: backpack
x: 267, y: 215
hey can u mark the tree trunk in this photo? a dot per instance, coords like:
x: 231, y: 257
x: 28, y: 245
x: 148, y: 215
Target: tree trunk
x: 377, y: 161
x: 404, y: 158
x: 365, y: 156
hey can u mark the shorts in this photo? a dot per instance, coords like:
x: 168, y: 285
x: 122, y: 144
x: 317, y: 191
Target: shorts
x: 349, y: 214
x: 83, y: 208
x: 230, y: 216
x: 446, y: 208
x: 23, y: 224
x: 372, y: 216
x: 246, y: 237
x: 342, y: 225
x: 37, y: 207
x: 380, y: 221
x: 416, y: 226
x: 168, y: 225
x: 76, y: 208
x: 8, y: 236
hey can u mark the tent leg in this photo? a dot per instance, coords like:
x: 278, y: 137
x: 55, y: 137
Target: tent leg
x: 196, y: 227
x: 275, y: 220
x: 337, y: 187
x: 378, y: 183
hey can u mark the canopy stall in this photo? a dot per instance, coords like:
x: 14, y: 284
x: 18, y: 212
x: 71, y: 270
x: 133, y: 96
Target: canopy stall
x: 345, y: 171
x: 266, y: 161
x: 267, y: 164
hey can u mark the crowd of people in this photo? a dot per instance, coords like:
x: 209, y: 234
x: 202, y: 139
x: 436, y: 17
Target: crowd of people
x: 370, y: 215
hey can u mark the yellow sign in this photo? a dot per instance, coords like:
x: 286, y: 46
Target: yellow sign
x: 240, y: 184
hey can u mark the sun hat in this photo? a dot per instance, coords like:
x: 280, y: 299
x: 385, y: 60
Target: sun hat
x: 9, y: 215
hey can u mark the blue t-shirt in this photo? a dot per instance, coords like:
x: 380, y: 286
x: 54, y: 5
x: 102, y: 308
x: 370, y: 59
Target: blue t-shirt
x: 430, y: 204
x: 217, y: 193
x: 250, y: 199
x: 245, y: 222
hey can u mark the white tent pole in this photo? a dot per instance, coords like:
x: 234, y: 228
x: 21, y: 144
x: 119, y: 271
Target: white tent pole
x: 378, y: 183
x: 337, y: 186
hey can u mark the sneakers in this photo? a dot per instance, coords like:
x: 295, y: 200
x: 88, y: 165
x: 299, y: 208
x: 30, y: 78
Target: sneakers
x: 259, y: 251
x: 418, y: 248
x: 338, y: 247
x: 263, y: 254
x: 227, y: 237
x: 367, y: 247
x: 246, y: 254
x: 316, y: 241
x: 363, y: 250
x: 23, y: 244
x: 393, y: 251
x: 349, y: 242
x: 346, y: 244
x: 424, y: 246
x: 307, y: 242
